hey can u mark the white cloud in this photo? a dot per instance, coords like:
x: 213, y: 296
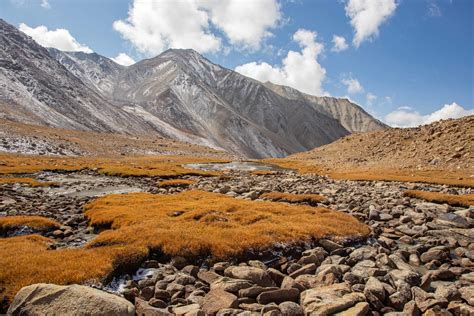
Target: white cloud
x: 245, y: 23
x: 153, y: 26
x: 45, y: 4
x: 123, y: 59
x: 407, y: 117
x: 59, y: 38
x: 339, y: 43
x: 353, y: 85
x: 434, y: 10
x: 299, y: 70
x: 370, y: 98
x: 367, y: 16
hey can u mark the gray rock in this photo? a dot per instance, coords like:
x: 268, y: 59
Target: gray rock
x: 218, y: 299
x: 255, y: 275
x: 291, y: 309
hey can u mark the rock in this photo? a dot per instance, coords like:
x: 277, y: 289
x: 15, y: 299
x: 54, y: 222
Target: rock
x: 147, y: 292
x: 142, y: 308
x: 254, y: 291
x: 374, y: 292
x: 407, y: 276
x: 329, y: 245
x: 230, y: 285
x: 307, y: 269
x: 191, y: 270
x: 359, y: 309
x: 156, y: 302
x: 291, y: 309
x: 161, y: 294
x: 329, y: 299
x: 192, y: 309
x: 276, y: 276
x: 218, y: 299
x: 410, y: 309
x: 467, y: 293
x: 208, y: 276
x: 278, y: 296
x: 255, y: 275
x: 426, y: 301
x: 435, y: 254
x: 43, y: 299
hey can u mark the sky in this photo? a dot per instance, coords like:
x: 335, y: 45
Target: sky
x: 407, y: 62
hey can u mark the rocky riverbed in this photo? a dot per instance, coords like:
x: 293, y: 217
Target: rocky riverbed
x: 418, y: 260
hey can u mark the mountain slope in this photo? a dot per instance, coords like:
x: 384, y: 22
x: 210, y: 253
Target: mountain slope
x: 349, y: 114
x: 178, y: 94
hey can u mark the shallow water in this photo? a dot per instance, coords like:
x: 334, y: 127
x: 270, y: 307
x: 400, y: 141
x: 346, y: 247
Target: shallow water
x: 236, y: 165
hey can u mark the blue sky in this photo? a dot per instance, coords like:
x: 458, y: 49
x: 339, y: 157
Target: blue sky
x: 407, y: 62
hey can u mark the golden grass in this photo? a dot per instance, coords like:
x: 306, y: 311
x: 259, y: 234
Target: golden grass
x: 29, y: 181
x: 35, y: 222
x: 26, y: 260
x: 437, y: 197
x: 163, y: 166
x: 311, y: 199
x: 450, y: 177
x: 194, y: 223
x: 175, y: 183
x: 190, y: 223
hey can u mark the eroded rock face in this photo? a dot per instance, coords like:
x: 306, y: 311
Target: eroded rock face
x: 50, y: 299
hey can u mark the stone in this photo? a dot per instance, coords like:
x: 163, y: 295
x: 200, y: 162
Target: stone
x: 142, y: 308
x: 254, y: 291
x: 161, y: 294
x: 307, y: 269
x: 276, y: 276
x: 329, y: 245
x: 278, y: 296
x: 49, y: 299
x: 434, y: 254
x: 426, y: 301
x: 230, y: 285
x: 218, y: 299
x: 208, y: 276
x: 147, y: 292
x: 359, y: 309
x: 291, y: 309
x: 407, y: 276
x: 191, y: 309
x: 467, y: 293
x: 156, y: 302
x: 374, y: 292
x: 410, y: 309
x: 329, y: 299
x: 253, y: 274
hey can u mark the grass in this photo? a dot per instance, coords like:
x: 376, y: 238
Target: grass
x: 26, y: 260
x: 465, y: 200
x: 450, y: 177
x: 191, y: 223
x: 34, y: 222
x: 194, y: 223
x: 29, y: 181
x: 311, y: 199
x: 162, y: 166
x: 180, y: 183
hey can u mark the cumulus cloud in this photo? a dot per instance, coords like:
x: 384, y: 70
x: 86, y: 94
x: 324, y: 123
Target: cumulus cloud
x: 45, y: 4
x: 59, y: 38
x: 300, y: 70
x: 367, y: 16
x: 123, y: 59
x: 245, y: 23
x: 434, y: 10
x: 339, y: 43
x: 353, y: 85
x: 153, y: 26
x: 370, y: 98
x: 407, y: 117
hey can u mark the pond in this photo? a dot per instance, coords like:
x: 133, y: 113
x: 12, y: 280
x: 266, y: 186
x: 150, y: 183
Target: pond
x: 236, y: 165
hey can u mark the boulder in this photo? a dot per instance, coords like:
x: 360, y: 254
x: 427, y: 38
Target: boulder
x: 253, y: 274
x: 230, y: 285
x: 278, y: 296
x: 49, y: 299
x: 218, y: 299
x: 291, y: 309
x: 329, y: 299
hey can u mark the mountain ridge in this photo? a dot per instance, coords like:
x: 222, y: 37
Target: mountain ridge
x: 178, y: 94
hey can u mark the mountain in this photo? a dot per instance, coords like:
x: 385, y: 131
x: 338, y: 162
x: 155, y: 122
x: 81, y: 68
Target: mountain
x: 178, y: 94
x: 349, y: 114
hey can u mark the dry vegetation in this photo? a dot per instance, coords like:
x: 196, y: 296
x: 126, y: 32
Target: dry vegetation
x: 163, y: 166
x: 175, y: 183
x: 35, y: 222
x: 465, y: 200
x: 26, y: 260
x: 190, y: 223
x: 311, y: 199
x: 29, y: 181
x: 439, y: 153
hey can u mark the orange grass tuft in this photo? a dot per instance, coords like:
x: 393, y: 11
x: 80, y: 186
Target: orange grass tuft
x: 26, y: 260
x: 35, y: 222
x: 175, y: 183
x: 437, y: 197
x: 311, y: 199
x: 450, y: 177
x: 29, y: 181
x: 163, y: 166
x: 194, y: 223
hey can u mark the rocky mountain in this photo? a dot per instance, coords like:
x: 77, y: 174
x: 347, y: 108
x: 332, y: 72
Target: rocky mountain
x: 354, y: 118
x: 178, y: 94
